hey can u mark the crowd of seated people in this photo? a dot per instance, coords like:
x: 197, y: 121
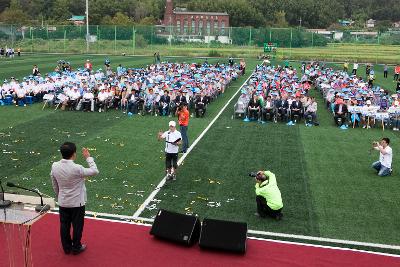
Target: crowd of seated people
x: 276, y: 93
x: 356, y: 102
x: 156, y: 90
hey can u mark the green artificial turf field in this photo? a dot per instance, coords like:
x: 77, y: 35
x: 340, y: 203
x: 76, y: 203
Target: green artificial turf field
x: 126, y: 149
x: 328, y: 187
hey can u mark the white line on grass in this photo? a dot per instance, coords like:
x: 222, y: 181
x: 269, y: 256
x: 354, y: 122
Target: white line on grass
x: 138, y: 222
x: 310, y: 238
x: 119, y: 55
x: 111, y: 220
x: 325, y: 247
x: 161, y: 184
x: 324, y: 239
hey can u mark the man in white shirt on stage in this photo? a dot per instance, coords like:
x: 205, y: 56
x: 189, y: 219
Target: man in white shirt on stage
x: 384, y: 165
x: 68, y: 179
x: 173, y: 139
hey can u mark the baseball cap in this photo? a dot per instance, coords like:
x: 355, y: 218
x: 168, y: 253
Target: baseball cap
x: 172, y: 123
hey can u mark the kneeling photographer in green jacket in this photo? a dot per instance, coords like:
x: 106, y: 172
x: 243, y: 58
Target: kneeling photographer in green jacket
x: 268, y: 195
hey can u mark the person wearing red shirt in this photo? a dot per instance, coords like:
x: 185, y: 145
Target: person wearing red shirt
x: 88, y: 65
x: 396, y: 72
x: 183, y: 118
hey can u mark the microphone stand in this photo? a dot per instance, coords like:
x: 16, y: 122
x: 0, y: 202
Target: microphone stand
x: 3, y: 203
x: 40, y: 207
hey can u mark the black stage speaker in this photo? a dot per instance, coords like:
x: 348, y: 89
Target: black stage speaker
x: 176, y: 227
x: 223, y: 235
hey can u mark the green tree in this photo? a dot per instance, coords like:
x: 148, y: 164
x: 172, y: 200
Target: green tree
x: 280, y: 19
x: 4, y: 4
x: 14, y: 14
x: 61, y: 10
x: 148, y: 21
x: 100, y: 8
x: 119, y: 19
x: 38, y: 9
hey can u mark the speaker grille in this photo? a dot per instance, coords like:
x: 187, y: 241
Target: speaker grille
x: 176, y: 227
x: 223, y: 235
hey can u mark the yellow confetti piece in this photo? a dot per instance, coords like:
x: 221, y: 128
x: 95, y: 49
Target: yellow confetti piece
x: 188, y: 209
x: 118, y: 168
x: 202, y: 198
x: 14, y: 159
x: 198, y: 180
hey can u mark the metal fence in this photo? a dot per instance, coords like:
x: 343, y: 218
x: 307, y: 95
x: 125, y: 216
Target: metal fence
x: 187, y: 41
x: 129, y: 39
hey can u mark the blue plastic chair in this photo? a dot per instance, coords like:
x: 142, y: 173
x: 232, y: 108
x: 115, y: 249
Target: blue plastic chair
x: 29, y: 100
x: 8, y: 100
x: 21, y: 103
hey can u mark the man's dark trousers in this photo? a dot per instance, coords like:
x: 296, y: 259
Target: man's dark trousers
x: 74, y: 216
x: 264, y: 210
x: 185, y: 139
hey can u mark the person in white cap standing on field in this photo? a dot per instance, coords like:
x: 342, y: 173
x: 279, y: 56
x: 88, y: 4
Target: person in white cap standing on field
x: 173, y: 139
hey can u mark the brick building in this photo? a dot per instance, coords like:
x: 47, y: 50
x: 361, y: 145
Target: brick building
x: 189, y: 23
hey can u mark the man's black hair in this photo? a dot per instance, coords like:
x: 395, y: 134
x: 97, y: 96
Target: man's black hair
x: 67, y: 150
x: 387, y: 140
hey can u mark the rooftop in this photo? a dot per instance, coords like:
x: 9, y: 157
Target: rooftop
x: 200, y: 13
x: 77, y: 18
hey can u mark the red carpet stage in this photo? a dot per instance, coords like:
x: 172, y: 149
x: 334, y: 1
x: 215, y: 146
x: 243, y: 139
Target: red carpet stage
x: 124, y: 244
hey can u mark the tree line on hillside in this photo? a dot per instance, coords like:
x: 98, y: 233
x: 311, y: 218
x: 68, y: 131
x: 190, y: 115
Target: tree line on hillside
x: 255, y: 13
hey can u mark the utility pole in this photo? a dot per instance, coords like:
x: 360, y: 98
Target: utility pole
x: 87, y: 26
x: 300, y: 20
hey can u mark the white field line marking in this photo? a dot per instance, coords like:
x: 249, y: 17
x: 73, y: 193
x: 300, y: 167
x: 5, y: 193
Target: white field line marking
x: 325, y: 247
x: 111, y: 220
x: 161, y: 184
x: 311, y: 238
x: 117, y: 221
x: 254, y: 238
x: 127, y: 55
x: 116, y: 217
x: 324, y: 239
